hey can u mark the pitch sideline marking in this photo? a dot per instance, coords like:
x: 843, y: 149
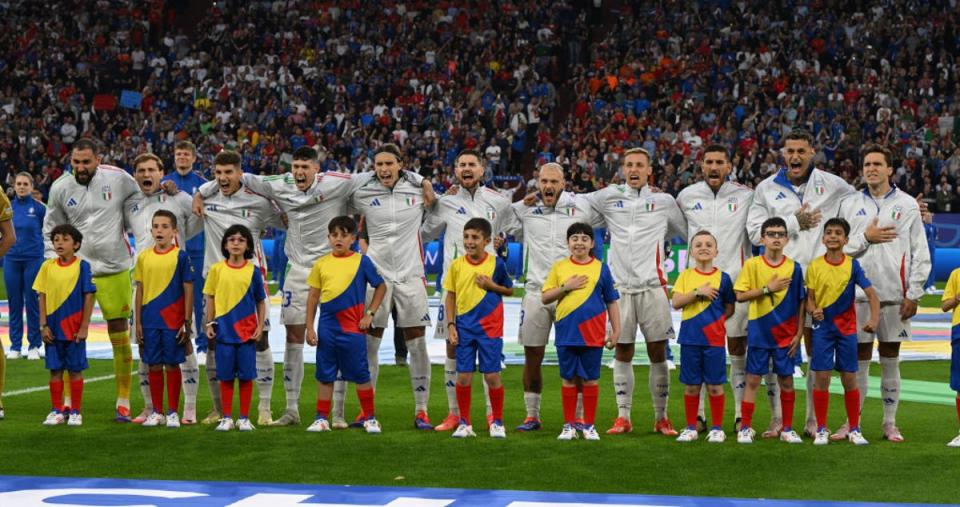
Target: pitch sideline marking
x: 29, y: 390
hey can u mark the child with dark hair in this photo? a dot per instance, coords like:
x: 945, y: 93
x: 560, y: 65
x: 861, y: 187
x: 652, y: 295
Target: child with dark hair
x: 235, y: 312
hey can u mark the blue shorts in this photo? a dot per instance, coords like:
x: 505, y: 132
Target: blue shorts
x: 579, y: 361
x: 344, y: 352
x: 66, y: 355
x: 955, y: 366
x: 489, y: 350
x: 833, y: 351
x: 703, y: 364
x: 160, y: 347
x: 236, y: 360
x: 758, y: 361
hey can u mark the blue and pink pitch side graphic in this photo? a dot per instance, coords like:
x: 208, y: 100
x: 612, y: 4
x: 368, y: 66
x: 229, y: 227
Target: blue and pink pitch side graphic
x: 44, y: 491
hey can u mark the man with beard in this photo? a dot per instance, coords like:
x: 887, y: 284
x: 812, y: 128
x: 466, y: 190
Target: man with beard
x: 542, y: 221
x: 447, y: 217
x: 721, y: 207
x: 92, y: 200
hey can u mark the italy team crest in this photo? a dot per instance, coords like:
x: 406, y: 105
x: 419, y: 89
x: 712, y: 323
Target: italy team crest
x: 411, y: 201
x: 106, y: 193
x: 491, y: 214
x: 650, y: 205
x: 732, y: 204
x: 818, y: 187
x: 897, y: 212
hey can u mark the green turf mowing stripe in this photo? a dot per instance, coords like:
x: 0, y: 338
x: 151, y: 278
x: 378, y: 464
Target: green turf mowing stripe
x: 937, y: 393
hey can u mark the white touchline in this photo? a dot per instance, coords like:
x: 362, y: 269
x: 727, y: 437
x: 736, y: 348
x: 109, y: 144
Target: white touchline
x: 29, y: 390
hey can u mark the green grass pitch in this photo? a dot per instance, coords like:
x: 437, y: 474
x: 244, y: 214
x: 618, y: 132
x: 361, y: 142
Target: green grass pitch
x: 921, y: 469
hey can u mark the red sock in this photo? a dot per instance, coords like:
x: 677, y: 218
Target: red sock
x: 246, y: 392
x: 174, y: 382
x: 323, y: 408
x: 691, y: 404
x: 716, y: 410
x: 463, y: 402
x: 787, y: 399
x: 496, y: 403
x: 852, y: 401
x: 821, y: 404
x: 226, y: 397
x: 958, y: 407
x: 591, y: 393
x: 56, y: 395
x: 569, y: 395
x: 746, y: 414
x: 366, y: 401
x: 156, y: 389
x: 76, y: 393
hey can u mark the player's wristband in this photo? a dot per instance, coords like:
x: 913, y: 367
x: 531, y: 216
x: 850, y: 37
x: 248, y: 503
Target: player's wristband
x: 371, y: 313
x: 44, y: 326
x: 766, y: 290
x: 451, y: 324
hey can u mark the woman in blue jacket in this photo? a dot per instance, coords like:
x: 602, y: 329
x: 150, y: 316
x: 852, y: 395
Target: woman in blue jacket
x: 21, y: 265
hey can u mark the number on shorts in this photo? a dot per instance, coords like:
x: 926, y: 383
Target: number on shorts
x: 287, y: 297
x: 440, y: 312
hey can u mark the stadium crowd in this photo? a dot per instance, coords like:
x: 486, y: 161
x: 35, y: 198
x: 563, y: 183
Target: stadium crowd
x: 524, y: 82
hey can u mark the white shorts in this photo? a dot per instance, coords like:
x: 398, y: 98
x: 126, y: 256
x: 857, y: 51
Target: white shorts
x: 409, y: 297
x: 293, y: 304
x: 536, y: 320
x: 650, y: 311
x: 890, y: 329
x: 737, y: 323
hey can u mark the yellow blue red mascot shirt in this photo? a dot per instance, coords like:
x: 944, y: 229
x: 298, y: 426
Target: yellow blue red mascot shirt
x: 64, y: 286
x: 581, y: 317
x: 835, y: 337
x: 236, y: 291
x: 951, y: 291
x: 703, y: 322
x: 772, y: 317
x: 342, y: 281
x: 161, y: 276
x: 479, y: 316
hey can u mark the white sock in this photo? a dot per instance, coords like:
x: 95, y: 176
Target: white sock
x: 293, y: 375
x: 863, y: 381
x: 486, y: 397
x: 143, y: 371
x: 811, y: 416
x: 339, y: 395
x: 373, y: 359
x: 623, y: 381
x: 738, y: 380
x: 703, y: 398
x: 578, y: 412
x: 450, y: 384
x: 890, y: 387
x: 191, y: 381
x: 532, y: 402
x: 419, y: 372
x: 265, y: 374
x: 773, y: 395
x: 212, y: 381
x: 659, y: 388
